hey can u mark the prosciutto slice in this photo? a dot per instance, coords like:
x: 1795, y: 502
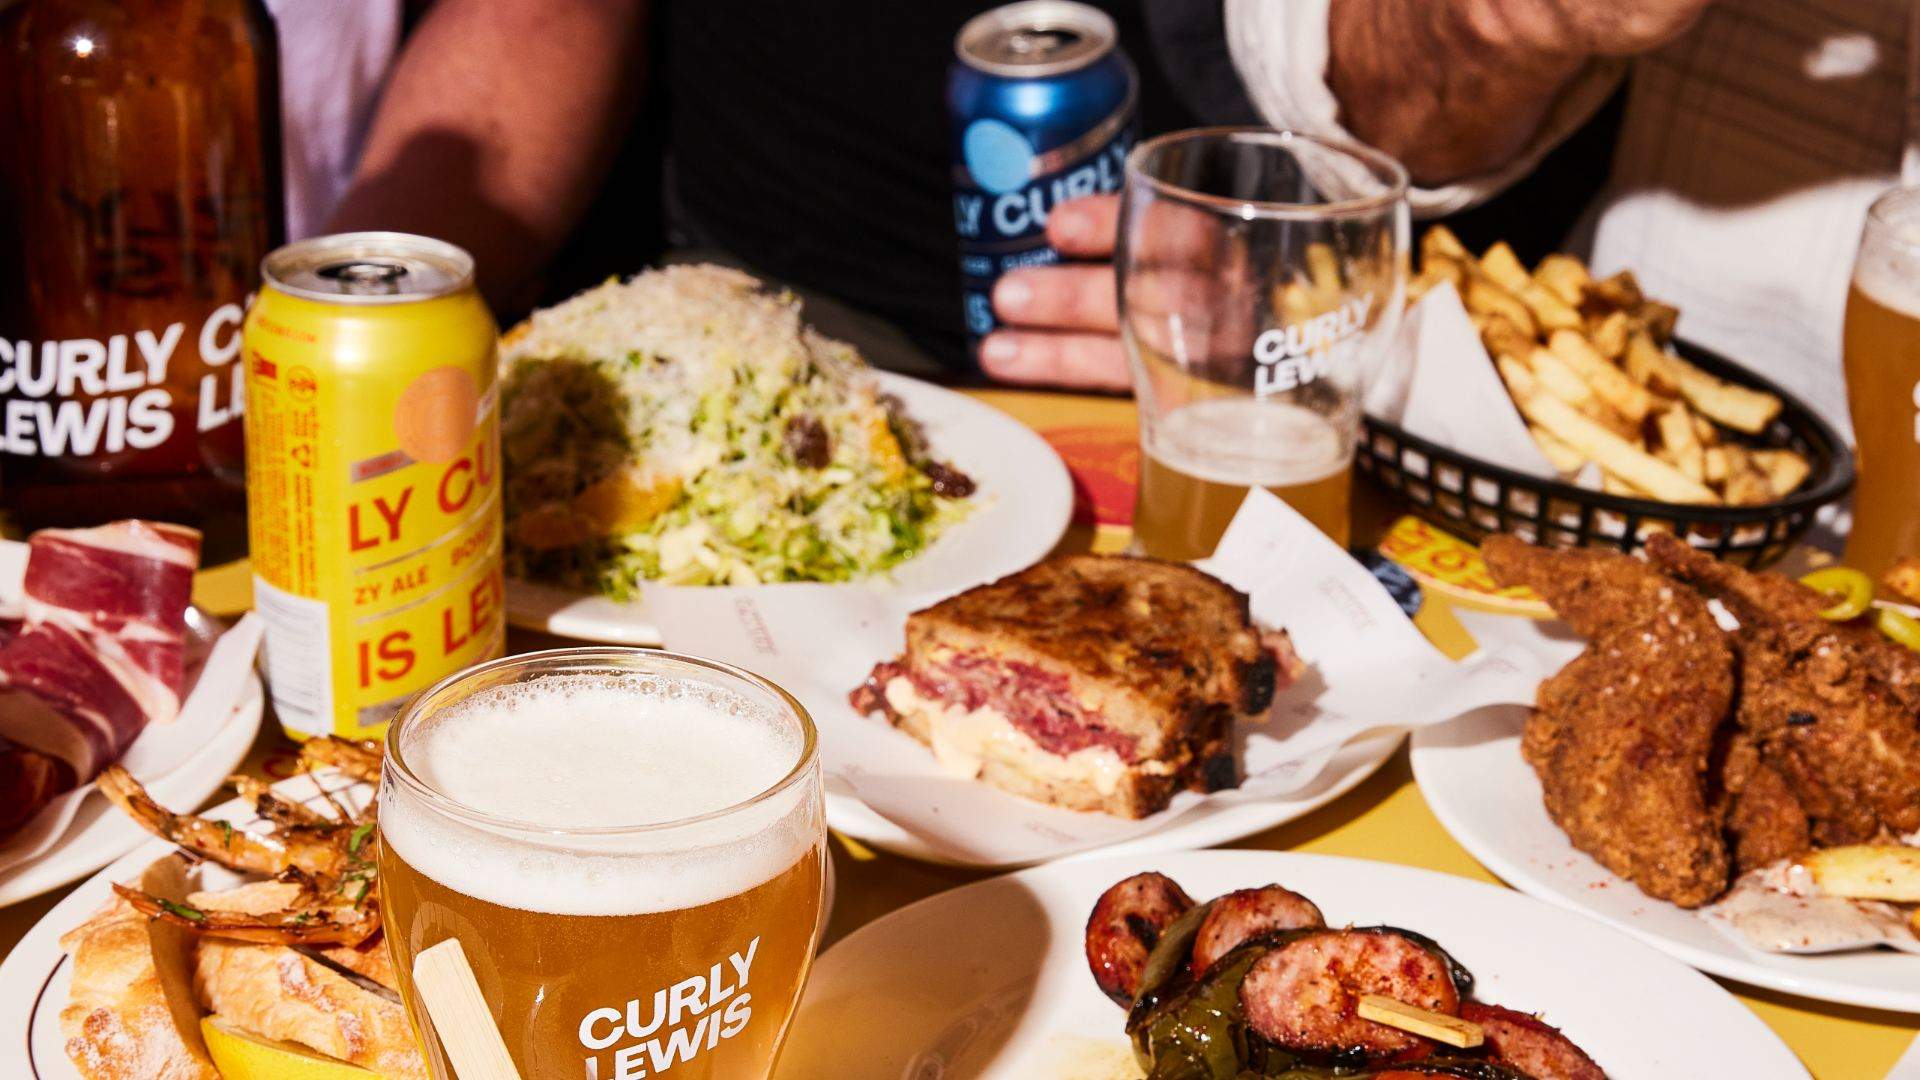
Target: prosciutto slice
x: 101, y: 650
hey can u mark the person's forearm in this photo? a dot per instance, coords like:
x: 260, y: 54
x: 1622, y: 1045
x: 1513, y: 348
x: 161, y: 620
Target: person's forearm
x: 1450, y: 87
x: 496, y: 127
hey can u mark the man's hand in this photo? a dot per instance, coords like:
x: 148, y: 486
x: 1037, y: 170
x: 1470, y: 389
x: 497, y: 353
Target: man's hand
x: 1062, y: 321
x: 1458, y: 87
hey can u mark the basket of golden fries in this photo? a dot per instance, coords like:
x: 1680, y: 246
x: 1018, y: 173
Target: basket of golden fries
x: 1648, y: 433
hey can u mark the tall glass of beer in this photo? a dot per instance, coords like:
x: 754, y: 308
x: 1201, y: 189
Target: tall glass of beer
x: 1261, y: 280
x: 1882, y: 355
x: 629, y: 846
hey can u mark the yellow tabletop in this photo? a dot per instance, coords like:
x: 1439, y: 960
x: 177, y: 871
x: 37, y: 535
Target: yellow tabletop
x: 1384, y: 818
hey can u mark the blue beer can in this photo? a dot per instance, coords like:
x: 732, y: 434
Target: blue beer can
x: 1045, y: 108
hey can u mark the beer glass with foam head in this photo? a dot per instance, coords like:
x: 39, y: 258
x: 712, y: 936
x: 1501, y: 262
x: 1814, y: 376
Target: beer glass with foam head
x: 1882, y: 355
x: 629, y: 846
x: 1261, y: 280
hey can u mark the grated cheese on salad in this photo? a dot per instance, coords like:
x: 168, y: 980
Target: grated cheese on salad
x: 686, y: 426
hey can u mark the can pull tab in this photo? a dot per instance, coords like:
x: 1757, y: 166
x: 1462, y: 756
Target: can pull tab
x: 1041, y: 43
x: 365, y: 277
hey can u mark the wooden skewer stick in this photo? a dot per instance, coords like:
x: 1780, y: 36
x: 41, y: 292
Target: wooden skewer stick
x: 1423, y: 1022
x: 444, y: 980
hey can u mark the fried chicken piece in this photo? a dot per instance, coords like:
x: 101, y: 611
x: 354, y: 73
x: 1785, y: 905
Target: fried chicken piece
x: 1764, y: 819
x: 1833, y: 707
x: 1623, y: 736
x: 1904, y: 578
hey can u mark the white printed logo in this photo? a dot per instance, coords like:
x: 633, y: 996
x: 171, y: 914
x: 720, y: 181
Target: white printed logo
x: 675, y: 1025
x: 1294, y: 355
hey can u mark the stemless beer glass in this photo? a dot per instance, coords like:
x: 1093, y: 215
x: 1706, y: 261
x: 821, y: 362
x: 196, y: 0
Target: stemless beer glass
x: 1882, y: 355
x: 1261, y: 280
x: 629, y: 845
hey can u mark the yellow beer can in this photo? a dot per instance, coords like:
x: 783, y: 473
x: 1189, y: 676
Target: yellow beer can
x: 373, y: 476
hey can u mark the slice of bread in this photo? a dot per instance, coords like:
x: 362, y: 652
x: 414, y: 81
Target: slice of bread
x: 1132, y: 670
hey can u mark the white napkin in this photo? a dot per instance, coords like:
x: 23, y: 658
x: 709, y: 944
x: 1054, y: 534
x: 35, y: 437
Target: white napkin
x: 1908, y: 1067
x: 1369, y: 669
x: 1448, y: 392
x: 212, y: 695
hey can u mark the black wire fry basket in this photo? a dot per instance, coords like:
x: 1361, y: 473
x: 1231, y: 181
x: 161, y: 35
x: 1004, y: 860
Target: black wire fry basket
x: 1471, y: 498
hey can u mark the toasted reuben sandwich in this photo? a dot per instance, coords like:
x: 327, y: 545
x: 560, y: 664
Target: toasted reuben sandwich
x: 1092, y: 682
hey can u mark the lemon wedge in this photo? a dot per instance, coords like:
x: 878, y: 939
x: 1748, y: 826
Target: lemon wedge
x: 241, y: 1055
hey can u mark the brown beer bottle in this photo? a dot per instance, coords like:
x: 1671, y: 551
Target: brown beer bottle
x: 139, y: 190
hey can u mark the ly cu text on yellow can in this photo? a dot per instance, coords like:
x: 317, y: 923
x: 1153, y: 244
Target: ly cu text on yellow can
x: 373, y: 476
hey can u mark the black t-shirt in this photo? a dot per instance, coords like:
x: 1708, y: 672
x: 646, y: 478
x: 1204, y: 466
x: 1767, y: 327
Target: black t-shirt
x: 810, y: 139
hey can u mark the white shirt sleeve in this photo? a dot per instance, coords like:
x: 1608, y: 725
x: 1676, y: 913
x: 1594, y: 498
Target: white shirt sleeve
x: 1279, y: 47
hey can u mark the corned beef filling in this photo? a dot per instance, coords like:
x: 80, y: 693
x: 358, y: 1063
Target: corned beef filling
x: 1034, y: 700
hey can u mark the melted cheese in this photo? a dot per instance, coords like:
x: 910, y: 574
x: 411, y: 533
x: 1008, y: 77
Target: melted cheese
x: 964, y: 740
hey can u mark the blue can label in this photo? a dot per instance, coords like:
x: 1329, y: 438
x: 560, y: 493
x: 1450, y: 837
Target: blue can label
x: 1005, y: 189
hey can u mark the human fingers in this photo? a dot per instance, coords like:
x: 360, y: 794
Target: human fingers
x: 1066, y: 297
x: 1084, y: 228
x: 1081, y: 361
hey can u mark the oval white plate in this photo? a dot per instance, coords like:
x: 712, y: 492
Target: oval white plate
x: 34, y: 980
x: 1024, y: 503
x: 1486, y: 795
x: 990, y: 981
x: 1213, y: 821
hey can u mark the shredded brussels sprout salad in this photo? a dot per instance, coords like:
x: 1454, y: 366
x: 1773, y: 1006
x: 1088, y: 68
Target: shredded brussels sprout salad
x: 685, y: 426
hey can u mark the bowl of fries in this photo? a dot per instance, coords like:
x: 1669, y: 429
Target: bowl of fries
x: 1647, y: 433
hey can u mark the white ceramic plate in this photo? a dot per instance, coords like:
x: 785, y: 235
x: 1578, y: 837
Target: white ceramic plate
x: 990, y: 981
x: 1024, y: 502
x: 1210, y: 822
x: 1473, y: 776
x: 34, y: 980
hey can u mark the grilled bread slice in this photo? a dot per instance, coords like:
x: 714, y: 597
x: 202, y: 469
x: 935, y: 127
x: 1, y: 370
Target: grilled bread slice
x: 1091, y: 682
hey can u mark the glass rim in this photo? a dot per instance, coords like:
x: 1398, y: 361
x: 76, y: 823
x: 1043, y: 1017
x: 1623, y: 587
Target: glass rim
x: 1883, y: 229
x: 1394, y: 174
x: 445, y: 804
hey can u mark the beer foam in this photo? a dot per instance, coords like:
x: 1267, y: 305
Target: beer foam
x: 601, y: 752
x: 1889, y: 261
x: 1251, y: 442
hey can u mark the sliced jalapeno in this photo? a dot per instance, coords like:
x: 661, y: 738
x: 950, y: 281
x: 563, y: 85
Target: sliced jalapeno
x: 1850, y: 590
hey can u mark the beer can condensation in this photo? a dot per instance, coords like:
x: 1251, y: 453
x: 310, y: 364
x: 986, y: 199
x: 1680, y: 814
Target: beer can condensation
x: 1044, y: 108
x: 373, y: 476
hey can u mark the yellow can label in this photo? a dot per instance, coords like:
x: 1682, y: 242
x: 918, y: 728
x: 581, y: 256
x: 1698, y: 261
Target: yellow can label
x: 373, y: 487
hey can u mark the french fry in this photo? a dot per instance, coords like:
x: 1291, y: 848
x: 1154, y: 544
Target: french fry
x: 1419, y: 286
x: 1621, y: 292
x: 1717, y: 464
x: 1558, y: 379
x: 1295, y: 305
x: 1439, y: 242
x: 1786, y: 470
x: 1609, y: 335
x: 1485, y: 296
x: 1737, y: 407
x: 1564, y: 276
x: 1549, y: 310
x: 1564, y: 458
x: 1520, y: 381
x: 1659, y: 319
x: 1613, y: 453
x: 1746, y: 485
x: 1904, y: 578
x: 1446, y: 270
x: 1652, y: 366
x: 1867, y: 872
x: 1613, y: 386
x: 1503, y: 266
x: 1704, y: 430
x: 1503, y: 338
x: 1679, y: 443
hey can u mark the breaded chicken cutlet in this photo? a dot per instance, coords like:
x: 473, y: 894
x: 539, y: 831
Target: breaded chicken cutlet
x: 1624, y: 736
x: 1833, y: 708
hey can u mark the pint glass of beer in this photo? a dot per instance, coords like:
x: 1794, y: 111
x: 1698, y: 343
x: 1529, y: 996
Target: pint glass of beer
x: 628, y: 845
x: 1261, y: 280
x: 1882, y: 354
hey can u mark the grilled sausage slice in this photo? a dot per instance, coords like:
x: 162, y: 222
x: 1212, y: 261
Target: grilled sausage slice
x: 1243, y: 913
x: 1305, y: 994
x: 1125, y: 924
x: 1530, y: 1045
